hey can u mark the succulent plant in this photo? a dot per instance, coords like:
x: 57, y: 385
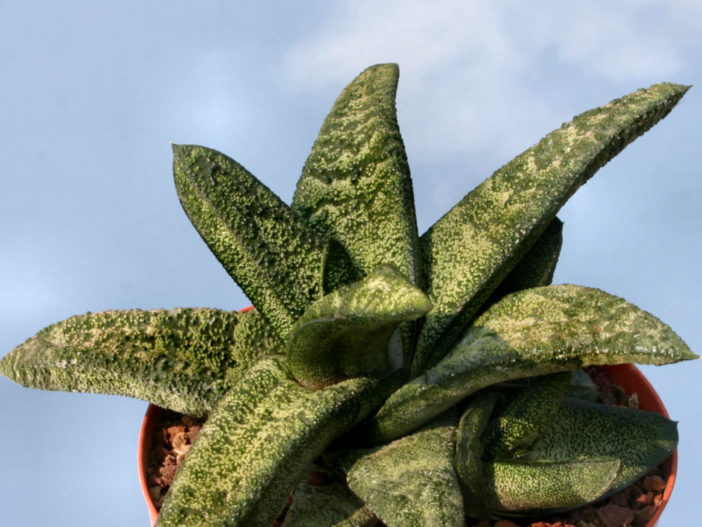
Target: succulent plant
x: 430, y: 376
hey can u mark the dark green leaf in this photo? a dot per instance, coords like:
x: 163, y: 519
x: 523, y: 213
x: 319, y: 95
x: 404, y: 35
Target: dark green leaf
x: 182, y: 359
x: 271, y: 253
x: 532, y: 332
x: 526, y: 417
x: 537, y: 266
x: 468, y: 252
x: 259, y: 442
x: 515, y: 486
x: 587, y: 430
x: 339, y: 269
x: 356, y: 185
x: 470, y: 449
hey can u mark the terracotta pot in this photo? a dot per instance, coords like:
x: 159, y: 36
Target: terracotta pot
x: 146, y: 433
x: 632, y: 380
x: 627, y: 376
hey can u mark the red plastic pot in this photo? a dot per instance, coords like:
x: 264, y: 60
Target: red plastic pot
x: 627, y: 376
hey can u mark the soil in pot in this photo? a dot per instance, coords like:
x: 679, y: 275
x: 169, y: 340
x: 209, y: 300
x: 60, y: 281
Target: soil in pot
x: 635, y: 506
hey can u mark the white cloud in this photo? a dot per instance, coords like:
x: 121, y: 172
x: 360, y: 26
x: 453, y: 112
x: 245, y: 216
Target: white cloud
x: 615, y: 41
x: 472, y: 71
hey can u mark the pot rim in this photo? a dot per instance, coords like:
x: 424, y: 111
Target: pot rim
x: 626, y: 375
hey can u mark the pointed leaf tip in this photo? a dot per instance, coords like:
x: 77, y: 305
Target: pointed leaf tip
x: 181, y: 359
x: 356, y: 185
x: 533, y: 332
x: 271, y: 253
x: 468, y: 252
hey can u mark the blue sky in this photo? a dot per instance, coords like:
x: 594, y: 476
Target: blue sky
x: 92, y: 95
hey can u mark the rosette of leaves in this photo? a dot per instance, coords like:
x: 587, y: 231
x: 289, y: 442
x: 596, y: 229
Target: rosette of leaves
x: 368, y: 343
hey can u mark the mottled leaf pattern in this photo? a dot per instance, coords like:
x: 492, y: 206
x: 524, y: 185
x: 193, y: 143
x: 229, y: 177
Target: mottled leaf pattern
x: 341, y: 282
x: 469, y: 452
x: 272, y: 254
x: 589, y: 450
x: 347, y: 333
x: 468, y: 252
x: 181, y: 359
x: 259, y: 442
x: 356, y: 185
x: 584, y: 429
x: 411, y: 482
x: 532, y: 332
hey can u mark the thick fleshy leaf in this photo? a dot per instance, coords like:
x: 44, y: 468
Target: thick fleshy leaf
x: 533, y: 332
x: 468, y: 252
x: 274, y: 256
x: 410, y: 482
x: 587, y: 430
x: 516, y: 486
x: 356, y: 185
x: 348, y: 332
x: 181, y: 359
x: 525, y: 418
x: 589, y: 450
x: 329, y: 505
x: 259, y: 442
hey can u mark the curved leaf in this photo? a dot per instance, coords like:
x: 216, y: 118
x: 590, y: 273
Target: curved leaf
x: 590, y: 450
x: 181, y: 359
x: 356, y: 184
x: 356, y: 187
x: 532, y: 332
x: 259, y: 442
x: 271, y: 253
x: 468, y: 252
x: 347, y: 333
x: 587, y: 430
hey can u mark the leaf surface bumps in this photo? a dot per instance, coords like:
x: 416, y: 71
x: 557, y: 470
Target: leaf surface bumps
x: 271, y: 253
x: 259, y: 442
x: 532, y: 332
x: 355, y: 186
x: 411, y: 482
x: 181, y: 359
x: 468, y: 252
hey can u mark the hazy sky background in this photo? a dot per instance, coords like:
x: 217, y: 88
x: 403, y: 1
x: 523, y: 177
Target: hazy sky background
x: 92, y: 95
